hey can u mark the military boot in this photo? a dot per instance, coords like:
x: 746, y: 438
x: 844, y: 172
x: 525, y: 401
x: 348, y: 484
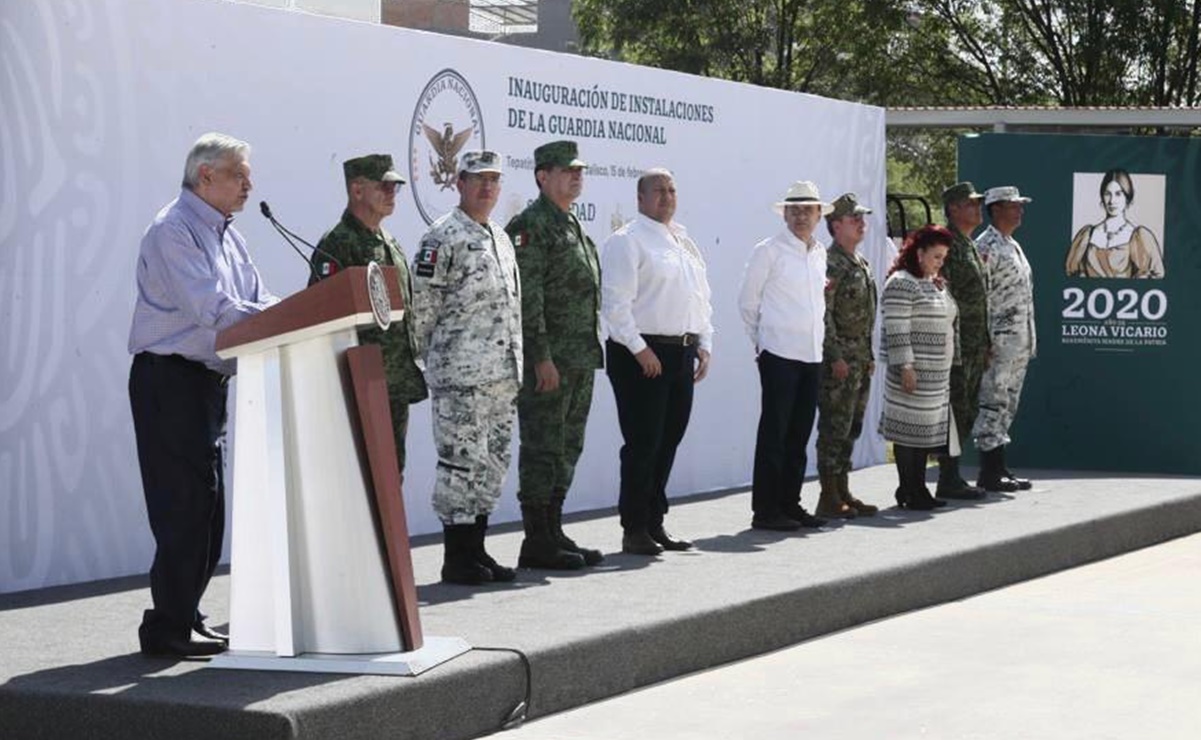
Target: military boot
x: 1023, y: 484
x: 830, y: 503
x: 992, y: 477
x: 540, y: 549
x: 458, y: 561
x: 591, y: 557
x: 499, y: 572
x: 951, y: 484
x: 844, y: 491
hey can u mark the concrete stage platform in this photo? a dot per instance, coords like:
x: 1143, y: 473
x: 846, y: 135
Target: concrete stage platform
x: 69, y: 665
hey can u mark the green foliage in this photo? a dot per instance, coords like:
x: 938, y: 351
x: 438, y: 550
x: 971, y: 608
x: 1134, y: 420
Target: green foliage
x: 917, y: 53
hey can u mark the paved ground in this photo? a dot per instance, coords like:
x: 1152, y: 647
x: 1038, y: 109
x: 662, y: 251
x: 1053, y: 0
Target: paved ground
x: 1108, y: 650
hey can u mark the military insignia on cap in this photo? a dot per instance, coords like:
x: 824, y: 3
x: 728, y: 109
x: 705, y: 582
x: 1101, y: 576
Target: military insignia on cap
x: 377, y: 289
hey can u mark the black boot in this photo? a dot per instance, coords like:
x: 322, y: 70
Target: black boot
x: 539, y: 549
x: 951, y: 484
x: 499, y: 572
x: 1023, y: 484
x: 590, y: 556
x: 458, y: 561
x: 911, y: 469
x: 991, y: 476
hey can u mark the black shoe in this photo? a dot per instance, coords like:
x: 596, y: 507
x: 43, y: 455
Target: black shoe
x: 459, y: 564
x: 1023, y: 484
x: 661, y: 535
x: 179, y: 647
x: 639, y: 543
x: 919, y: 500
x: 806, y: 519
x: 540, y: 549
x: 960, y: 491
x: 500, y: 573
x: 211, y: 633
x: 997, y: 484
x: 775, y: 523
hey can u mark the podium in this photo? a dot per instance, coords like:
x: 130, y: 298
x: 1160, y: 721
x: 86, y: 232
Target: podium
x: 321, y: 577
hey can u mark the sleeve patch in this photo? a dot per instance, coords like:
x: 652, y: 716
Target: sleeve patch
x: 427, y: 260
x: 520, y: 239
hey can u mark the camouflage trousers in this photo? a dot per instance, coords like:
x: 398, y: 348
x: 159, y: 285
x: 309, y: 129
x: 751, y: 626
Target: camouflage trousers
x: 473, y: 433
x: 841, y: 405
x: 400, y: 426
x: 1000, y: 391
x: 552, y: 434
x: 965, y: 389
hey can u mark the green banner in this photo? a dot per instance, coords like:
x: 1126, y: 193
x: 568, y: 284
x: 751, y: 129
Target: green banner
x: 1113, y: 235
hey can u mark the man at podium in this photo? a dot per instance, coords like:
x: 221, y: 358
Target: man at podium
x: 195, y: 278
x: 359, y: 238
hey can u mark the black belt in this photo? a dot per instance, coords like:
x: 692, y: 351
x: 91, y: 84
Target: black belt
x: 678, y: 340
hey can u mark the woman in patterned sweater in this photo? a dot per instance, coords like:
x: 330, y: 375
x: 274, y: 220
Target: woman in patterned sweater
x: 919, y: 345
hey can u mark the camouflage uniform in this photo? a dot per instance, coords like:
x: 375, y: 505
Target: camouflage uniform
x: 467, y: 321
x: 1011, y: 330
x: 850, y: 319
x: 351, y: 243
x: 560, y: 275
x: 968, y: 283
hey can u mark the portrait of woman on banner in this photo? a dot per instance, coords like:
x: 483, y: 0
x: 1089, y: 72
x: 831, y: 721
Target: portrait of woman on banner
x: 1116, y: 247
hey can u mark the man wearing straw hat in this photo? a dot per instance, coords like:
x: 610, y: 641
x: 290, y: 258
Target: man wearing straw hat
x: 783, y: 305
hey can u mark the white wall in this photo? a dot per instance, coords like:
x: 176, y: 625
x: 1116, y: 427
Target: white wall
x: 99, y: 102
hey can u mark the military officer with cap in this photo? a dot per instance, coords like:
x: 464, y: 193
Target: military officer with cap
x: 560, y: 276
x: 1011, y: 331
x: 467, y: 321
x: 847, y: 364
x: 360, y: 238
x: 967, y: 281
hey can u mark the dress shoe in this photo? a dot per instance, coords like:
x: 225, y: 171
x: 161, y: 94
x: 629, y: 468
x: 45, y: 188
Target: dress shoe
x: 179, y: 647
x: 212, y: 633
x: 664, y: 538
x: 639, y: 543
x: 959, y: 490
x: 775, y: 523
x: 806, y: 519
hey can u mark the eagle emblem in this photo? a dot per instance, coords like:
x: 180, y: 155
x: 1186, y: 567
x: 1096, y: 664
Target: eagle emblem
x: 443, y: 163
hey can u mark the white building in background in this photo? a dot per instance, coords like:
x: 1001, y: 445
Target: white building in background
x: 539, y: 24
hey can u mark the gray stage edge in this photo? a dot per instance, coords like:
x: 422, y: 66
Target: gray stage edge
x: 70, y: 667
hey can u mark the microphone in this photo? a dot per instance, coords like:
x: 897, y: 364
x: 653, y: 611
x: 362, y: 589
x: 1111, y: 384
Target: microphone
x: 285, y: 233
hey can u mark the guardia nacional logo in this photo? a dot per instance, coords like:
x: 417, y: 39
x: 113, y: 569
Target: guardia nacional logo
x: 446, y: 122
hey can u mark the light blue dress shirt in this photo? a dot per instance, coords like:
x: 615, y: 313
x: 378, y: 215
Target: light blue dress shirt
x: 195, y: 278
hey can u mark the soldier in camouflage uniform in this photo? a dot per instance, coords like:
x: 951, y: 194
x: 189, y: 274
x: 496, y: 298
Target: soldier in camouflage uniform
x: 467, y: 320
x: 357, y: 239
x: 968, y: 283
x: 847, y: 364
x: 560, y: 276
x: 1011, y: 330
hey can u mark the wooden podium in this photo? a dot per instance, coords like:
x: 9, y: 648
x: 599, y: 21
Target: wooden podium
x: 321, y: 575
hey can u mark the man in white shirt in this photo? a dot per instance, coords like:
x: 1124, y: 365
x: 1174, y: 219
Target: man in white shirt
x: 655, y: 309
x: 783, y: 305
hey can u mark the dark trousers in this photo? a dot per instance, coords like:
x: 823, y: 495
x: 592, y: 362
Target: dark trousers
x: 179, y: 423
x: 911, y: 467
x: 788, y: 407
x: 653, y: 414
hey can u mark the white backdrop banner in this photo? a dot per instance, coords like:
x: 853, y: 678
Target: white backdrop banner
x: 101, y: 100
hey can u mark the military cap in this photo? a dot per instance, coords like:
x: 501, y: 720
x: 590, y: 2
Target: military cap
x: 960, y: 191
x: 847, y: 204
x: 479, y: 161
x: 377, y: 167
x: 558, y: 154
x: 1006, y: 193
